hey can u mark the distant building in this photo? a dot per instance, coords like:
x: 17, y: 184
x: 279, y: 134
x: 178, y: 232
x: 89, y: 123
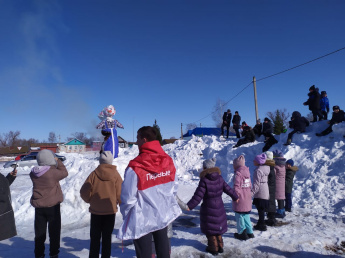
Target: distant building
x: 73, y: 146
x: 201, y: 131
x: 168, y: 141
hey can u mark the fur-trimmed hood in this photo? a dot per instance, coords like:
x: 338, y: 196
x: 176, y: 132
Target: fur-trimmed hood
x: 270, y: 162
x: 293, y: 168
x: 210, y: 171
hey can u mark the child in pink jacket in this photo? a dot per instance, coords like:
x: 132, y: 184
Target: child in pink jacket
x: 242, y: 186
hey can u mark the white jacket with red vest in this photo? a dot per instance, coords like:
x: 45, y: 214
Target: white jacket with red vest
x: 148, y: 193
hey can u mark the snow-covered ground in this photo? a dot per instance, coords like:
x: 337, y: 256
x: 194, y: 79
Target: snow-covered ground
x: 315, y: 225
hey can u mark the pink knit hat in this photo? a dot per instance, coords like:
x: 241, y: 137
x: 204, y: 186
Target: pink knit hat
x: 261, y: 158
x: 239, y: 162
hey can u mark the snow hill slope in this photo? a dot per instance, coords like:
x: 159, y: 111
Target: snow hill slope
x: 316, y: 220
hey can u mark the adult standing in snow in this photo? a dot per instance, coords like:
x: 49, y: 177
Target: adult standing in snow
x: 280, y: 170
x: 213, y: 222
x: 148, y: 196
x: 236, y: 124
x: 271, y: 209
x: 338, y: 116
x: 46, y: 198
x: 314, y: 103
x: 226, y: 122
x: 298, y: 123
x: 7, y: 222
x: 102, y: 190
x: 260, y: 189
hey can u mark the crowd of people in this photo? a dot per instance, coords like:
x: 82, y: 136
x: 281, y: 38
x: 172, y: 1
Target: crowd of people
x: 318, y: 105
x: 147, y: 194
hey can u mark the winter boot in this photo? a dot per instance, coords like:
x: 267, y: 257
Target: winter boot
x: 319, y: 134
x: 220, y: 244
x: 242, y: 236
x: 271, y: 219
x: 212, y: 245
x: 261, y: 226
x: 251, y: 235
x: 280, y: 213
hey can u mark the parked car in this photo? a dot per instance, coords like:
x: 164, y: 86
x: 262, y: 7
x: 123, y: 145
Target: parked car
x: 28, y: 160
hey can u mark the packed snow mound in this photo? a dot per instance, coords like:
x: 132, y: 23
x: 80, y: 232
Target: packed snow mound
x: 318, y: 202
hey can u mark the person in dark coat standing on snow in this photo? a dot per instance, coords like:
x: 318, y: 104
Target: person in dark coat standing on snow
x: 314, y: 103
x: 236, y: 124
x: 226, y: 122
x: 213, y: 222
x: 290, y: 174
x: 298, y: 123
x: 7, y: 222
x: 46, y: 198
x: 267, y: 131
x: 338, y: 116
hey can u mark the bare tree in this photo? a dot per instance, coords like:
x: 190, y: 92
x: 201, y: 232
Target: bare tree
x: 83, y: 137
x: 280, y: 119
x: 218, y: 110
x: 3, y: 141
x: 12, y: 138
x: 190, y: 126
x: 52, y: 137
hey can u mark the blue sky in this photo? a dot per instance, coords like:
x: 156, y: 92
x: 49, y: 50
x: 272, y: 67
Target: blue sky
x: 63, y: 61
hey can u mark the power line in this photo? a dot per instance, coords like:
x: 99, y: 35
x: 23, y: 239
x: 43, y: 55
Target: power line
x: 301, y: 64
x: 286, y: 70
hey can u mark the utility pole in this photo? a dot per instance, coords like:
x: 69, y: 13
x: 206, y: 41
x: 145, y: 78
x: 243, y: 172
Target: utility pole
x: 255, y: 100
x: 181, y: 132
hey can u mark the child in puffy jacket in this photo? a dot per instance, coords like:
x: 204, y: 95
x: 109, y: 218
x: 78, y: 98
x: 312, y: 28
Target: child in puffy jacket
x: 213, y: 222
x: 280, y: 170
x: 102, y: 190
x: 260, y: 189
x: 290, y: 174
x: 242, y: 186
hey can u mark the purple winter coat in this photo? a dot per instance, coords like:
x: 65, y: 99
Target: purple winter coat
x: 260, y: 185
x: 212, y: 212
x: 280, y: 170
x: 242, y: 186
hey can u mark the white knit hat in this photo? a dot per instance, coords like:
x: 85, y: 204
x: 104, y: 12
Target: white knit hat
x: 209, y: 163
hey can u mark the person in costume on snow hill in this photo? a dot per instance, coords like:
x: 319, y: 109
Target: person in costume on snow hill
x: 7, y: 222
x: 46, y: 198
x: 314, y: 103
x: 298, y: 123
x: 271, y: 209
x: 213, y: 222
x: 226, y: 122
x: 236, y: 120
x: 338, y: 116
x: 102, y: 190
x: 242, y: 208
x: 290, y: 174
x: 260, y: 189
x: 280, y: 170
x: 148, y: 196
x: 108, y: 126
x: 324, y: 105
